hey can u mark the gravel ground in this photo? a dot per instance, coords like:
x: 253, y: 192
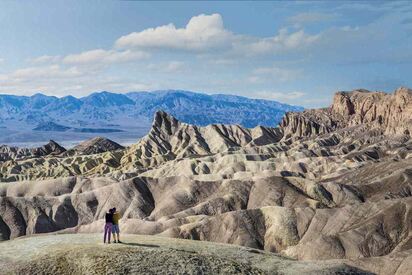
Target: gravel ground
x: 86, y: 254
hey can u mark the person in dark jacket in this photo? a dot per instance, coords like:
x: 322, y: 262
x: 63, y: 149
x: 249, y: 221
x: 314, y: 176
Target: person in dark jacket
x: 108, y: 226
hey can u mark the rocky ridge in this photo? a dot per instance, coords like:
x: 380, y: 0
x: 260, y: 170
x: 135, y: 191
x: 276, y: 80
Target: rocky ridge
x: 14, y: 153
x: 389, y: 113
x: 96, y: 145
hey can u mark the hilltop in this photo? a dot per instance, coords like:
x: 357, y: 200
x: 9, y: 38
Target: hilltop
x: 60, y: 254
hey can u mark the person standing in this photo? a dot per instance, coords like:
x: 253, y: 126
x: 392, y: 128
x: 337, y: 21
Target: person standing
x: 108, y: 226
x: 115, y: 227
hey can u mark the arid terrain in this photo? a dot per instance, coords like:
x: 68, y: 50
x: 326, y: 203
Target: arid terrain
x: 138, y: 254
x: 332, y: 184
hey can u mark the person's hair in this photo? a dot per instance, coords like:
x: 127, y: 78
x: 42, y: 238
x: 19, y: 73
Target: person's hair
x: 114, y: 209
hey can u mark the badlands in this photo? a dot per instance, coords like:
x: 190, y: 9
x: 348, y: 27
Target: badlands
x: 330, y: 185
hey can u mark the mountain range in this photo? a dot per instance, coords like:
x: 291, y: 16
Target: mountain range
x: 106, y: 112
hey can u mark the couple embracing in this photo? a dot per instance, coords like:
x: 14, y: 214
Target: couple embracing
x: 112, y: 226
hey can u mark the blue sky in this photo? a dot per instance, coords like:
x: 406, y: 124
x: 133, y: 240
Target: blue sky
x: 294, y: 52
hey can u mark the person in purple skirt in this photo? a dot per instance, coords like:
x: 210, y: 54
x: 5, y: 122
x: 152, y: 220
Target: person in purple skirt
x: 108, y: 226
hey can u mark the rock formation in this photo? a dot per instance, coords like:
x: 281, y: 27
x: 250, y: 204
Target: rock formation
x: 15, y: 153
x: 390, y: 113
x: 338, y: 179
x: 96, y: 145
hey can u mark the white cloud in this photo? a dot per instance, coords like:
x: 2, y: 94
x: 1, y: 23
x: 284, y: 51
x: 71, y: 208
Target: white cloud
x: 201, y: 32
x: 169, y: 67
x: 60, y: 81
x: 255, y: 79
x: 45, y: 59
x: 104, y: 57
x: 280, y: 43
x: 274, y: 73
x: 349, y: 28
x: 222, y: 61
x: 204, y: 33
x: 52, y: 71
x: 73, y: 74
x: 311, y: 17
x: 286, y: 97
x: 174, y: 66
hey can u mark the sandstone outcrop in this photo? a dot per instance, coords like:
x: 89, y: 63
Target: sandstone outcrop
x: 390, y: 113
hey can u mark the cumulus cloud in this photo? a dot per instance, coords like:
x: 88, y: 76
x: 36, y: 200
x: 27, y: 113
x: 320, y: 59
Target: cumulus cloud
x: 204, y: 37
x: 201, y: 32
x: 104, y: 57
x: 207, y: 32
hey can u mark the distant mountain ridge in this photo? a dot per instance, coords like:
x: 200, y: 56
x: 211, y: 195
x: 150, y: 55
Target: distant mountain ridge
x: 106, y: 108
x: 54, y: 127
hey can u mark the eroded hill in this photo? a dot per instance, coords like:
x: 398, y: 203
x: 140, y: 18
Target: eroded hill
x: 337, y: 179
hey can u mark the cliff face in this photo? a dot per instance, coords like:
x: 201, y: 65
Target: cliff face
x: 390, y: 113
x: 304, y: 125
